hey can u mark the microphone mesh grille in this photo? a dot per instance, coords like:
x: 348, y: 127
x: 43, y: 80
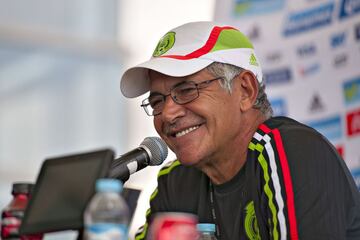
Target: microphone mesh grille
x: 158, y: 150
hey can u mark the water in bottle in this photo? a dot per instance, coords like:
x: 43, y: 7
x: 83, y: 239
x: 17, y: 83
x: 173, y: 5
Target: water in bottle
x: 107, y: 215
x: 206, y: 231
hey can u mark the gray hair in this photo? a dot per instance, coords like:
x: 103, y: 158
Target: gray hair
x: 228, y: 72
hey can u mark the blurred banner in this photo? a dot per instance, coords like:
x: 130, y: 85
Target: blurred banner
x: 60, y: 63
x: 310, y: 55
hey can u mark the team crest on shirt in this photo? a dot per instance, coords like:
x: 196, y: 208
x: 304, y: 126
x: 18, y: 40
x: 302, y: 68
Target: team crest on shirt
x: 165, y: 43
x: 250, y: 224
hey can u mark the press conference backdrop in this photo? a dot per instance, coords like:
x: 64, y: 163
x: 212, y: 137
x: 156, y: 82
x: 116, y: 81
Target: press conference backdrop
x: 310, y: 55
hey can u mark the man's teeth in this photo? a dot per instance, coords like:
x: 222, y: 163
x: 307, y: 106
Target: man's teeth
x: 182, y: 133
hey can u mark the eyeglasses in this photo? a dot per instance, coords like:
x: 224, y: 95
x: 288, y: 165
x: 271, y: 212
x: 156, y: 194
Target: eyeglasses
x: 181, y: 93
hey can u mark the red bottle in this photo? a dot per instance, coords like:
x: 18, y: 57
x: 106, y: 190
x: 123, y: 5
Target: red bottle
x: 13, y: 213
x: 170, y: 225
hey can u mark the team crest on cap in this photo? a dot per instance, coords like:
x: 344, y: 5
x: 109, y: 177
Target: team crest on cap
x: 165, y: 43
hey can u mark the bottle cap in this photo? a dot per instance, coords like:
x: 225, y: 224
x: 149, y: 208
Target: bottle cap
x: 22, y: 187
x: 109, y: 185
x: 205, y: 227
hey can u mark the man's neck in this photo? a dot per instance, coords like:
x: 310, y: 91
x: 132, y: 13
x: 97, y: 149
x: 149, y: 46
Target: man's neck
x: 224, y: 167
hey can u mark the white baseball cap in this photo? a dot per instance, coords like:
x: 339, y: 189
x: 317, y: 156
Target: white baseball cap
x: 188, y: 49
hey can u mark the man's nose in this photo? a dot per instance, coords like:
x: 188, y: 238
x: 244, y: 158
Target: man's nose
x: 172, y: 110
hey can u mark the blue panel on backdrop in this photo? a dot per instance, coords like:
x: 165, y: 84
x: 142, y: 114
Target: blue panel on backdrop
x: 349, y: 8
x: 278, y: 76
x: 338, y: 39
x: 279, y: 106
x: 257, y: 7
x: 308, y: 19
x: 329, y: 127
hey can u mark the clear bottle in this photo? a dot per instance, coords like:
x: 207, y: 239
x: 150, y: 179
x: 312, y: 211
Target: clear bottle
x: 107, y: 215
x: 206, y: 231
x: 13, y: 213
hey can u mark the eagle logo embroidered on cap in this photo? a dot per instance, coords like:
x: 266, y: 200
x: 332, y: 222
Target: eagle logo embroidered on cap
x: 165, y: 43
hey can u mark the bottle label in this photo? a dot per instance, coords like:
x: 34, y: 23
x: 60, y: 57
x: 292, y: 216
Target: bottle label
x: 10, y: 223
x: 106, y: 231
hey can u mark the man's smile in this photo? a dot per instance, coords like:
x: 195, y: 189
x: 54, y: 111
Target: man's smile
x: 186, y: 131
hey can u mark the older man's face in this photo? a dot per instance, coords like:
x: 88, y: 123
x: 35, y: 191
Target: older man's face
x: 202, y: 130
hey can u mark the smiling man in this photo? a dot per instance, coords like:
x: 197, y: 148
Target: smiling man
x: 253, y: 175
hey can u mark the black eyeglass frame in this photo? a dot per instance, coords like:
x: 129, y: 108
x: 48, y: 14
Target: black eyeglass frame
x: 146, y: 103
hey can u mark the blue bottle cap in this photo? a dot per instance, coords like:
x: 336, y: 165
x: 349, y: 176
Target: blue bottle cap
x: 108, y: 185
x: 205, y: 227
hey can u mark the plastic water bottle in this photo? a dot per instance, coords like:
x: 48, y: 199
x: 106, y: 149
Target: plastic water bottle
x: 107, y: 215
x: 206, y: 231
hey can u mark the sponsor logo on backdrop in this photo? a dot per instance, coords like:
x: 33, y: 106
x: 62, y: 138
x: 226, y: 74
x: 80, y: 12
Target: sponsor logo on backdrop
x: 258, y: 7
x: 351, y: 90
x: 329, y: 127
x: 357, y: 32
x: 349, y: 8
x: 340, y: 150
x: 340, y: 60
x: 316, y: 104
x: 273, y: 57
x: 337, y: 39
x: 279, y: 106
x: 309, y: 19
x: 278, y: 76
x: 353, y: 123
x: 306, y: 50
x: 308, y: 70
x: 254, y: 33
x: 356, y: 175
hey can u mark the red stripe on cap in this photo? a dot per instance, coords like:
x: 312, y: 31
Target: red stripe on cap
x: 287, y: 180
x: 214, y: 35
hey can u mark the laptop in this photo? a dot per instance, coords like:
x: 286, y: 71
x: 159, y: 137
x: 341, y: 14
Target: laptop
x: 63, y: 189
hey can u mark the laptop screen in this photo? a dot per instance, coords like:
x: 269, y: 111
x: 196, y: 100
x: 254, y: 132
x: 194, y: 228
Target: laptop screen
x: 62, y: 191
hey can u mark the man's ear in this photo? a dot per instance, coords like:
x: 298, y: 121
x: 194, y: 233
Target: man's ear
x: 247, y: 87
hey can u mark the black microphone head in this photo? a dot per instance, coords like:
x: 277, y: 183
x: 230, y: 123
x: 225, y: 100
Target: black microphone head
x: 156, y: 148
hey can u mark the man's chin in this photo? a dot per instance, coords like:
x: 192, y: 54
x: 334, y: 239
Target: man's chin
x: 188, y: 160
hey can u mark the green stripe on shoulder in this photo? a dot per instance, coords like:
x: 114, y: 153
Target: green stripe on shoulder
x: 154, y: 194
x: 168, y: 169
x: 267, y: 189
x: 141, y: 235
x: 165, y: 170
x: 251, y: 146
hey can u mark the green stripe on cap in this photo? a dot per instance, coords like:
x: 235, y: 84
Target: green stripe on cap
x: 230, y: 39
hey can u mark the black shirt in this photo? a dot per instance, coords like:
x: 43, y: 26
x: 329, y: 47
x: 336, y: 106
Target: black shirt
x: 294, y: 185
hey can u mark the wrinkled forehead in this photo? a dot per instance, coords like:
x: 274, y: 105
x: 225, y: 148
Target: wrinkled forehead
x: 159, y: 81
x: 163, y: 83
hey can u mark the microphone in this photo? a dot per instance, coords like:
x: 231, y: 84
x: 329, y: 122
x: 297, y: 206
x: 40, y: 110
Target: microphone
x: 152, y: 151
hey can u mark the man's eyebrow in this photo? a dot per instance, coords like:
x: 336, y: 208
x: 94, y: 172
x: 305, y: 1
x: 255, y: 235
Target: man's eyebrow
x: 172, y: 87
x: 179, y: 83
